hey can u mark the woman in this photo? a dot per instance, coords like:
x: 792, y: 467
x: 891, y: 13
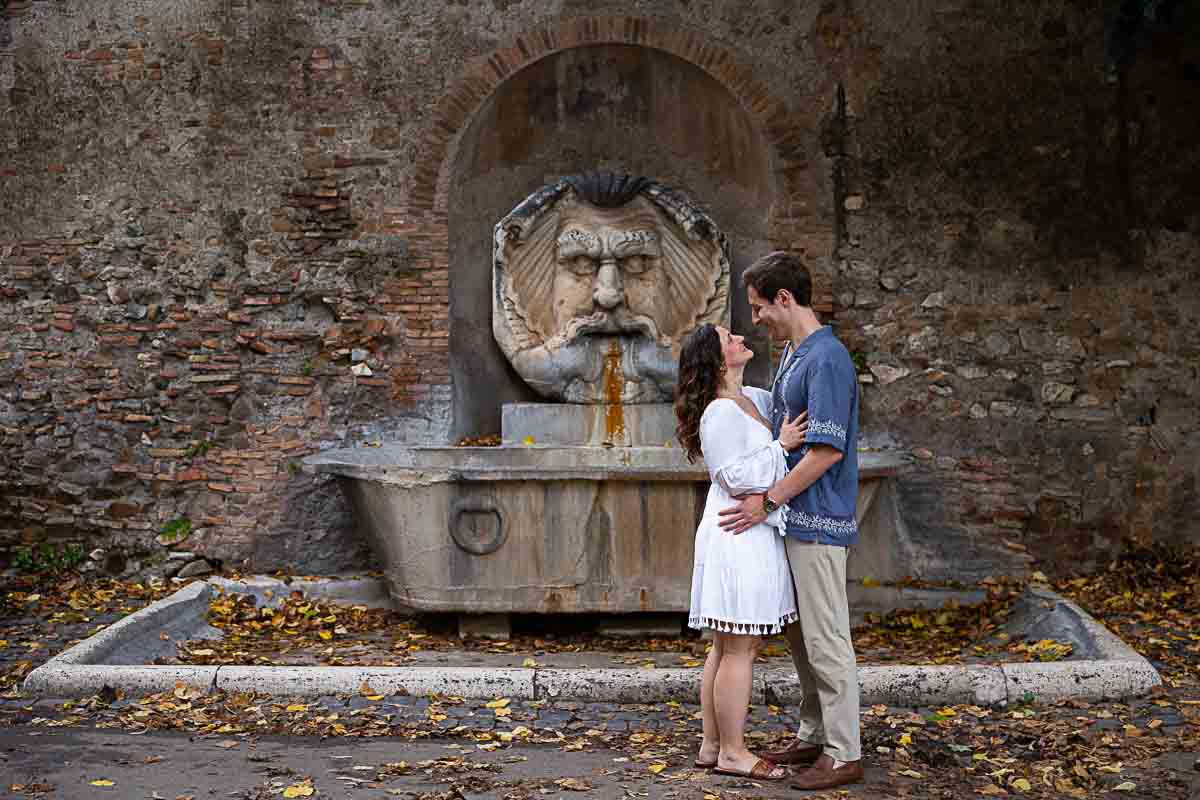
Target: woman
x: 741, y: 584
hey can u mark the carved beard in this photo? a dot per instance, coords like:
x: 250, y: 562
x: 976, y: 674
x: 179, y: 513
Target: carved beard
x: 575, y: 372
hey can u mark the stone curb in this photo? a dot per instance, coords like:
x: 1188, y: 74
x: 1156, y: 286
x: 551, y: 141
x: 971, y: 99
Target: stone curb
x: 468, y: 682
x: 1121, y: 673
x: 178, y: 612
x: 904, y: 685
x: 84, y: 680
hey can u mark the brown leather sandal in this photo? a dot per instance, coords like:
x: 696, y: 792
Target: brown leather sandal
x: 762, y: 770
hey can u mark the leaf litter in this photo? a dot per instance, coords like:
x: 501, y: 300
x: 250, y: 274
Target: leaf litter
x: 1069, y: 749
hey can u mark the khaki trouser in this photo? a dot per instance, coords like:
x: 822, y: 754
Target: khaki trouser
x: 822, y: 650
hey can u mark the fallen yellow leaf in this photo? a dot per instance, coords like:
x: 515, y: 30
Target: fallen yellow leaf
x: 101, y: 782
x: 1127, y: 786
x: 573, y: 785
x: 299, y: 790
x: 185, y: 692
x: 1021, y: 785
x: 657, y: 767
x: 529, y: 662
x: 297, y: 707
x: 499, y: 702
x: 910, y: 773
x: 1064, y: 786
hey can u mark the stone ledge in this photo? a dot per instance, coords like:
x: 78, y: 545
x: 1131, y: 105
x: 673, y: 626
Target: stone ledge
x: 393, y: 463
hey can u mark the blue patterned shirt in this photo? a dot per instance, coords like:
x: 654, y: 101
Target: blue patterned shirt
x: 818, y: 376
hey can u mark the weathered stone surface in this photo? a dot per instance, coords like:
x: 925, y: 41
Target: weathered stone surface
x: 886, y: 373
x: 195, y: 568
x: 1057, y: 393
x: 997, y: 344
x: 553, y: 529
x: 934, y: 300
x: 595, y: 425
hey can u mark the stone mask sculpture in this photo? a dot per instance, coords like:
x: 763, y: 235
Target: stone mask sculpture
x: 596, y: 278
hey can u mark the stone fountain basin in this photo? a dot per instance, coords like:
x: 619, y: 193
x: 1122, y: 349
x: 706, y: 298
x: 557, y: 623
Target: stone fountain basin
x: 544, y: 529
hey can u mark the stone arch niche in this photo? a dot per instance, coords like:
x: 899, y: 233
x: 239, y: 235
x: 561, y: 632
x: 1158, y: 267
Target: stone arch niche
x: 623, y: 107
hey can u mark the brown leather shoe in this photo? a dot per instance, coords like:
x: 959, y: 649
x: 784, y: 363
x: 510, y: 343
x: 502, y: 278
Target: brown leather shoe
x: 797, y: 751
x: 822, y: 775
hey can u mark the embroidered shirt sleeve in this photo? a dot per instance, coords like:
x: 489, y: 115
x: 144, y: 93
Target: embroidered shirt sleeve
x: 831, y: 388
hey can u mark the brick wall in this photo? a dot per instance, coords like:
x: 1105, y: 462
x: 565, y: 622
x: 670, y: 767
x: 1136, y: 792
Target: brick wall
x: 225, y: 244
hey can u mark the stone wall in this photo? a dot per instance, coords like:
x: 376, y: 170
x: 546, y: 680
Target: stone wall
x: 227, y: 240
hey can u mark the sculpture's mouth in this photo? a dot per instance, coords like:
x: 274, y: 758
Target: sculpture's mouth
x: 608, y: 322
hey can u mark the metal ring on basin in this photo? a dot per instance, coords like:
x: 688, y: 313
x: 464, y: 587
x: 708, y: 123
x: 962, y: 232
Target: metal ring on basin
x: 479, y: 506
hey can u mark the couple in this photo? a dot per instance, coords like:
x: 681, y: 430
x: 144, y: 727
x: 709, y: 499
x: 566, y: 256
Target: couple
x: 771, y: 547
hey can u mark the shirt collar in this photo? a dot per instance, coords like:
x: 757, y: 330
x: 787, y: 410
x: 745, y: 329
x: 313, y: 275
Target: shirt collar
x: 807, y: 342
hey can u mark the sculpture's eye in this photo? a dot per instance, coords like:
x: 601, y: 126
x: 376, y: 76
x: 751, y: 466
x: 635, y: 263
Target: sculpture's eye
x: 636, y: 264
x: 582, y: 265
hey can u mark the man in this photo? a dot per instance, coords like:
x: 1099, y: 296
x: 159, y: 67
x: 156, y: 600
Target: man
x: 820, y: 492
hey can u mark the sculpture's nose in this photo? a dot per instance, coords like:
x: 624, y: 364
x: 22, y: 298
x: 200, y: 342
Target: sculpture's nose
x: 609, y: 291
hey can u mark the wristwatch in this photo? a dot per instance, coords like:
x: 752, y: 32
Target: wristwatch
x: 769, y: 505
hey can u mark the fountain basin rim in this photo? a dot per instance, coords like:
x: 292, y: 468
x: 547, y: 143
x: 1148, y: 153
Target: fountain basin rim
x: 432, y: 463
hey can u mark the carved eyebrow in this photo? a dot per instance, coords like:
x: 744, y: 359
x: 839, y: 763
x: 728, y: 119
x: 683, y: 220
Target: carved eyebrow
x: 574, y: 242
x: 636, y: 243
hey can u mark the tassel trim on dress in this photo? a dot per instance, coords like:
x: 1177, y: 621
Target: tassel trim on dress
x: 747, y: 628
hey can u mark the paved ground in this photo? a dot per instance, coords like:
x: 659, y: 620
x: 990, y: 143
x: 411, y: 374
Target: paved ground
x: 170, y: 765
x: 184, y: 745
x: 177, y: 745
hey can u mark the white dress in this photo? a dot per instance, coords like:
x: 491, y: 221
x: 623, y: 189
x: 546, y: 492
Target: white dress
x: 740, y: 583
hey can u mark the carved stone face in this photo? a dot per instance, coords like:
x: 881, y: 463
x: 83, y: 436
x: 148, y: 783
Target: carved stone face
x: 579, y: 285
x: 609, y: 273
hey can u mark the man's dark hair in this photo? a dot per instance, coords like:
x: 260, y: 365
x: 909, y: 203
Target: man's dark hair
x: 777, y: 271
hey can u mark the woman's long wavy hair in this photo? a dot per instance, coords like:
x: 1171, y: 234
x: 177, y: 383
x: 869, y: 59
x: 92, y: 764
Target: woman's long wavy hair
x: 701, y: 368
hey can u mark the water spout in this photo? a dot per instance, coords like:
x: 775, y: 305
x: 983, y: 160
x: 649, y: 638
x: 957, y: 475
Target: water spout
x: 614, y: 391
